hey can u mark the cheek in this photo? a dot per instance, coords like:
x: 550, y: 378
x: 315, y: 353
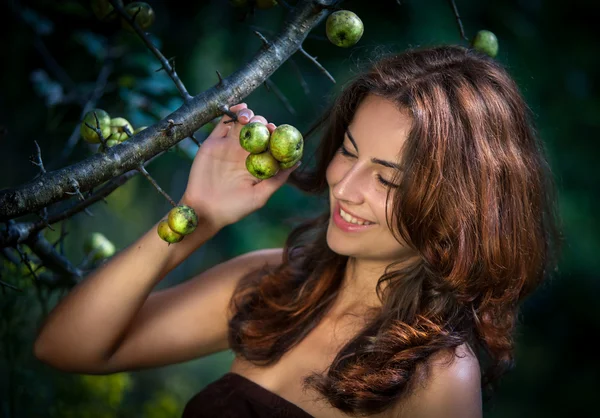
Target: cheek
x: 334, y: 171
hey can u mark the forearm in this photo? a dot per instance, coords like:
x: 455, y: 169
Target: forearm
x: 88, y: 324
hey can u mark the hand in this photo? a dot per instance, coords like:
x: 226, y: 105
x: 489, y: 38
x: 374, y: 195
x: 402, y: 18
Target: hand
x: 220, y: 186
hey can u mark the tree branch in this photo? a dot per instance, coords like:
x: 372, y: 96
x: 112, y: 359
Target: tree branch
x: 17, y: 233
x: 52, y: 259
x: 99, y: 168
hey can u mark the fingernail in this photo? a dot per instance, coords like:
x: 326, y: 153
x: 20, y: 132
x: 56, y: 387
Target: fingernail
x: 245, y: 113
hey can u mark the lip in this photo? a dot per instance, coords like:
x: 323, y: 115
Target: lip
x: 347, y: 226
x: 350, y: 213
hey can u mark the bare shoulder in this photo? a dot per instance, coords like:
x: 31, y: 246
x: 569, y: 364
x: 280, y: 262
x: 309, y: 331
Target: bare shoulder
x: 451, y: 388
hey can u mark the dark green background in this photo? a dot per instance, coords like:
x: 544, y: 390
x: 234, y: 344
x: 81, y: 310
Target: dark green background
x: 550, y: 47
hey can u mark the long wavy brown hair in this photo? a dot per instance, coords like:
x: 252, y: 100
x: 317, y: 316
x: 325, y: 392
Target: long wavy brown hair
x: 476, y: 201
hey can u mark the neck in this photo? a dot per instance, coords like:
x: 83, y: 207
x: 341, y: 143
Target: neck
x: 359, y: 286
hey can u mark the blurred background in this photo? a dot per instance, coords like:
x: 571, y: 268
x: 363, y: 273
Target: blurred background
x: 55, y: 51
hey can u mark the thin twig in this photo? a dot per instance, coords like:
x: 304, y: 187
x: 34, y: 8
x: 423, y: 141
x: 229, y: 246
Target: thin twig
x: 314, y: 61
x: 170, y: 61
x: 262, y: 38
x: 60, y: 241
x: 460, y: 25
x: 25, y: 260
x: 145, y: 173
x: 225, y: 109
x: 280, y: 95
x: 303, y: 82
x: 269, y: 84
x: 10, y: 286
x: 193, y: 138
x: 97, y: 130
x: 165, y: 63
x: 37, y: 160
x: 76, y: 188
x: 44, y: 217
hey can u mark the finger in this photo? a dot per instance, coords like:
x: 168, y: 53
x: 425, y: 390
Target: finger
x: 260, y: 119
x: 245, y: 115
x: 271, y: 127
x: 222, y: 128
x: 236, y: 108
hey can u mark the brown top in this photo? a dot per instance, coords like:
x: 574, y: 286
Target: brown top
x: 235, y: 396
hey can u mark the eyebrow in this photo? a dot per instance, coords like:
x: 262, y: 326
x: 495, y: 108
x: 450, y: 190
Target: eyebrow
x: 375, y: 160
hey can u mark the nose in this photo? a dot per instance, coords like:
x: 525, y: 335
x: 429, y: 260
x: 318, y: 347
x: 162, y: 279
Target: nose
x: 351, y: 187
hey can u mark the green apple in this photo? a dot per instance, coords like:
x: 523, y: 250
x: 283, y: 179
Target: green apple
x: 262, y: 166
x: 344, y: 28
x: 167, y: 234
x: 289, y: 164
x: 144, y: 15
x: 104, y: 10
x: 99, y: 245
x: 183, y: 219
x: 486, y: 42
x: 286, y: 143
x: 120, y: 127
x: 103, y: 123
x: 254, y: 137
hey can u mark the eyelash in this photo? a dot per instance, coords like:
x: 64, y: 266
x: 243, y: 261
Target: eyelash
x: 344, y: 151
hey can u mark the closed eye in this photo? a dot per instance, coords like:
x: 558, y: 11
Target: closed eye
x: 342, y: 150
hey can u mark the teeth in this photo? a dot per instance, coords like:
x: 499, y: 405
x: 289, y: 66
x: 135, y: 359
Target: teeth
x: 353, y: 220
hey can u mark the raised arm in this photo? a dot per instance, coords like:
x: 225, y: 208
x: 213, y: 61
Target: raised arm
x: 108, y: 321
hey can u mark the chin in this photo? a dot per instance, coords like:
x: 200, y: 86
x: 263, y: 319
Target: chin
x: 338, y: 243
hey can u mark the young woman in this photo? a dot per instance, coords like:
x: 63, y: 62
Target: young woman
x: 400, y: 300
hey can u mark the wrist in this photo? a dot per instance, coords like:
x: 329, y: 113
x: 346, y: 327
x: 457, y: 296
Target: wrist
x: 205, y: 217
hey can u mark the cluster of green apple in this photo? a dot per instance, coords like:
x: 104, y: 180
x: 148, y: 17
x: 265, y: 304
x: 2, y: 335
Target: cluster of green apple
x: 270, y: 152
x: 143, y: 12
x: 113, y: 130
x: 181, y: 221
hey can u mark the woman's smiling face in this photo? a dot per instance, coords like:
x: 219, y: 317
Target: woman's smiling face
x: 359, y: 176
